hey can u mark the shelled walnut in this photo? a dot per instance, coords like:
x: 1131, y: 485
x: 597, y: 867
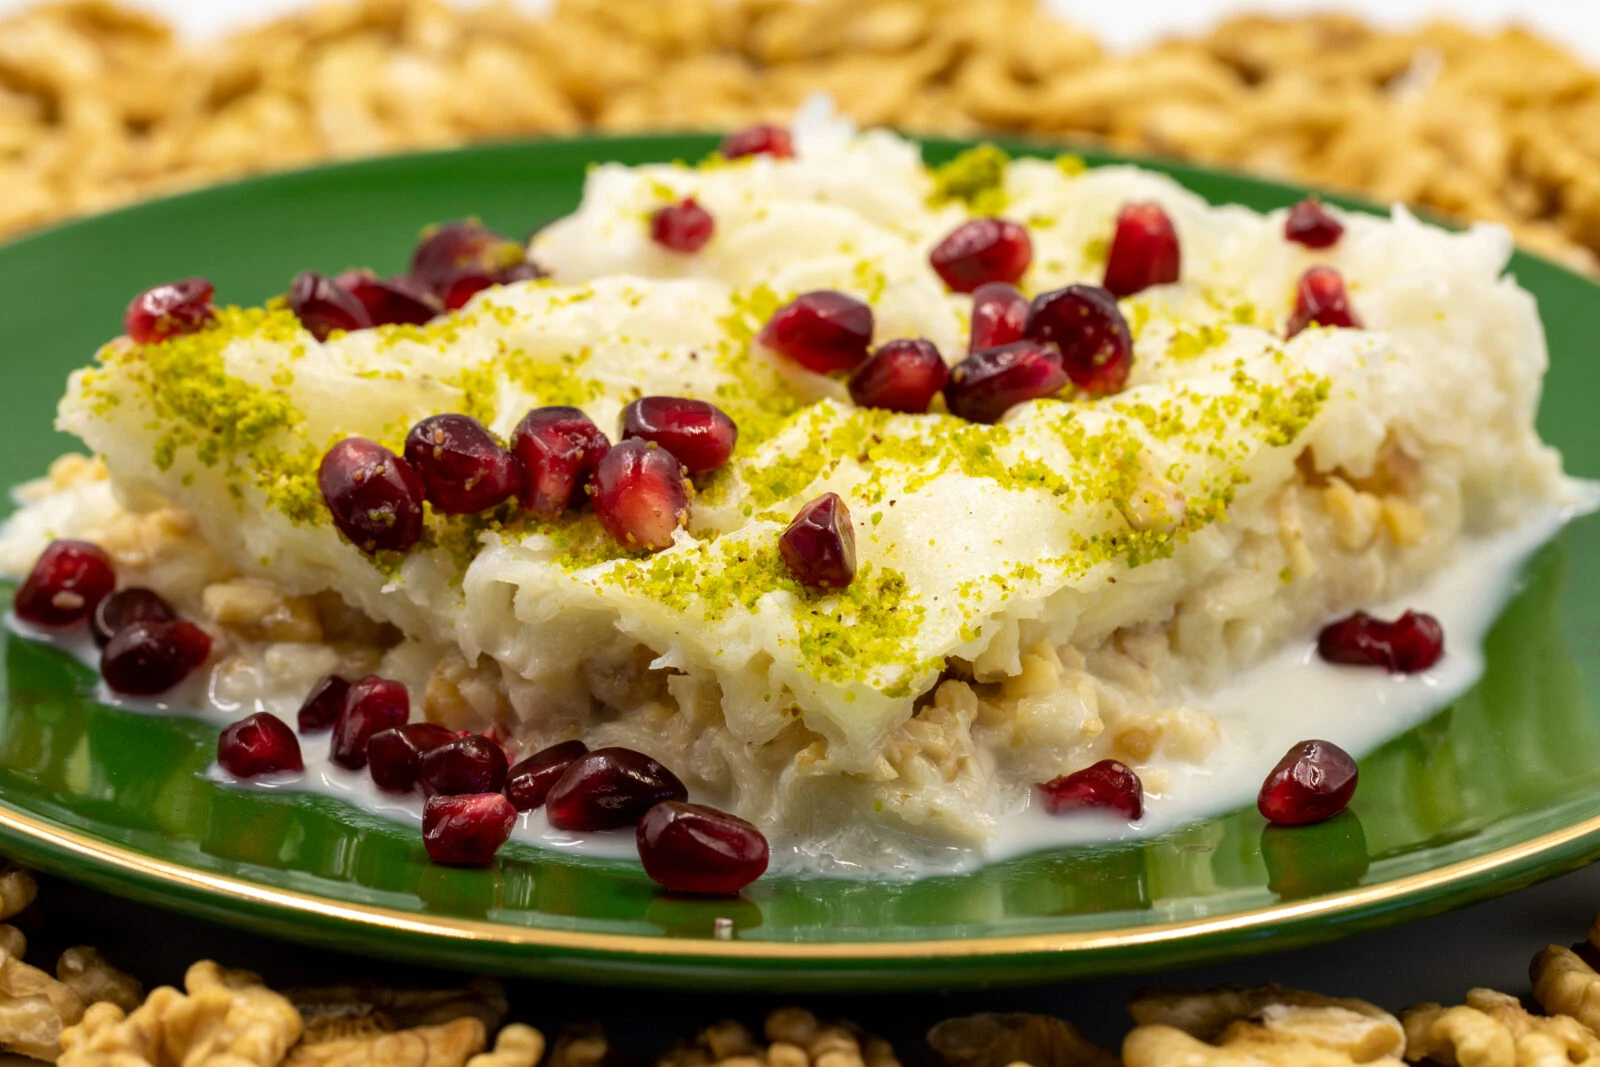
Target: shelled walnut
x: 223, y: 1019
x: 1236, y: 1027
x: 1493, y: 1030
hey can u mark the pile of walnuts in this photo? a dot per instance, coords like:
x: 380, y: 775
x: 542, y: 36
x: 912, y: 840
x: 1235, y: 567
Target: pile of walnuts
x: 100, y: 105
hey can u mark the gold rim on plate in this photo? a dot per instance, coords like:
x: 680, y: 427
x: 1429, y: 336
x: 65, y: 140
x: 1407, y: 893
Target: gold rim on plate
x: 471, y: 930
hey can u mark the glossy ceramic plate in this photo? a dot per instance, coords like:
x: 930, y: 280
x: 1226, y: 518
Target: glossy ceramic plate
x: 1498, y: 790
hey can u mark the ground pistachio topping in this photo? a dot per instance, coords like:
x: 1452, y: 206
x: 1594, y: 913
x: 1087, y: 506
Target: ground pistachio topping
x: 976, y: 178
x: 199, y: 404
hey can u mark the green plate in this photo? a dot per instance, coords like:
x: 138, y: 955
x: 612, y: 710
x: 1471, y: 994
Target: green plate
x: 1495, y: 792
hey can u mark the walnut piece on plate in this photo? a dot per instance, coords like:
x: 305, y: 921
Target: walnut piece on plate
x: 1258, y: 1027
x: 224, y: 1019
x: 1494, y: 1030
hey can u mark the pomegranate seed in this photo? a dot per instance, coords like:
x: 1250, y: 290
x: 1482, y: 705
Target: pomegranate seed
x: 698, y: 434
x: 559, y: 448
x: 640, y: 495
x: 124, y: 608
x: 610, y: 788
x: 999, y: 316
x: 1310, y: 224
x: 68, y: 581
x: 375, y: 497
x: 471, y: 764
x: 529, y: 782
x: 822, y: 331
x: 1320, y: 299
x: 981, y: 251
x: 147, y: 658
x: 691, y: 848
x: 259, y: 744
x: 1413, y: 642
x: 391, y: 301
x: 1087, y: 327
x: 466, y: 831
x: 393, y: 754
x: 371, y: 705
x: 322, y: 707
x: 1313, y: 782
x: 1107, y: 784
x: 169, y: 310
x: 819, y: 545
x: 987, y: 384
x: 682, y: 227
x: 903, y: 375
x: 323, y: 305
x: 455, y: 260
x: 760, y: 140
x: 463, y: 469
x: 468, y: 286
x: 1144, y: 250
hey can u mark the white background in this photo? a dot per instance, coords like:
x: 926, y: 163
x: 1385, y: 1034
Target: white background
x: 1122, y: 24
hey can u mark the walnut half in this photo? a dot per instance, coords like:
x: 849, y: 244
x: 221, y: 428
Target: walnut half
x: 224, y: 1019
x: 1257, y: 1027
x: 1492, y: 1030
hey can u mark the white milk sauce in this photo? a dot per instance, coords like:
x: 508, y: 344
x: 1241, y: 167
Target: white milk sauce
x: 1291, y: 696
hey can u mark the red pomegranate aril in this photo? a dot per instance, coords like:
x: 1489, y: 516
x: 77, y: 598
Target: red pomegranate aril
x: 1310, y: 224
x: 169, y: 310
x: 371, y: 705
x: 1413, y: 642
x: 987, y: 384
x: 323, y: 305
x: 124, y: 608
x: 374, y: 495
x: 1144, y: 250
x: 640, y: 495
x: 148, y: 658
x: 610, y: 788
x: 259, y: 744
x: 759, y: 140
x: 822, y: 331
x: 66, y: 584
x: 699, y: 434
x: 981, y: 251
x: 529, y: 782
x: 393, y: 754
x: 1087, y: 328
x: 819, y: 544
x: 682, y: 227
x: 559, y: 447
x: 391, y: 301
x: 999, y: 316
x: 903, y: 375
x: 463, y: 469
x: 471, y: 764
x: 1320, y: 299
x: 466, y: 831
x: 692, y: 848
x: 1110, y: 785
x: 324, y: 703
x: 463, y: 252
x: 468, y: 286
x: 1312, y: 783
